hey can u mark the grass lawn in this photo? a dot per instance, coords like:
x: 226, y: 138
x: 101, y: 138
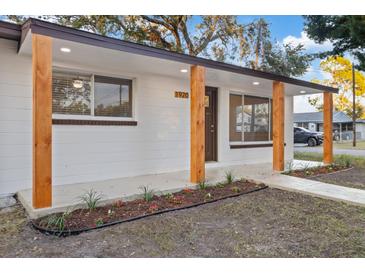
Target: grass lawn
x: 267, y: 223
x: 348, y: 145
x: 351, y: 178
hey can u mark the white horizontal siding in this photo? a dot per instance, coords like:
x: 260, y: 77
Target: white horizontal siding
x: 159, y: 143
x: 15, y: 119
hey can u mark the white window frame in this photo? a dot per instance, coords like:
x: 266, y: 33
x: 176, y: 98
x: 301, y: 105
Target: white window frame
x: 243, y: 94
x: 92, y: 97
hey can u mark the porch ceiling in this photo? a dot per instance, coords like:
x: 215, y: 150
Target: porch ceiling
x: 105, y: 59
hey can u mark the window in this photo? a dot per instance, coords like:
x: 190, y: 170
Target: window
x: 250, y: 118
x: 71, y: 94
x: 77, y: 94
x: 113, y: 97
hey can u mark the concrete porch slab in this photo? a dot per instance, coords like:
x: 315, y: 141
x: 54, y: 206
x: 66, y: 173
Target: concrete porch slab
x: 67, y: 196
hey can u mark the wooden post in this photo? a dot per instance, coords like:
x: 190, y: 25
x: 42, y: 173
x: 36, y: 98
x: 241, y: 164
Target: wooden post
x: 327, y: 128
x: 42, y: 120
x: 278, y: 126
x: 197, y: 124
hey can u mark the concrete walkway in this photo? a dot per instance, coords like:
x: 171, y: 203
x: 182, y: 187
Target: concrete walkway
x: 315, y: 188
x: 68, y: 196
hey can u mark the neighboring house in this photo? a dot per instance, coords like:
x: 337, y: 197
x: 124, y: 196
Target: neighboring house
x: 101, y: 108
x: 342, y: 124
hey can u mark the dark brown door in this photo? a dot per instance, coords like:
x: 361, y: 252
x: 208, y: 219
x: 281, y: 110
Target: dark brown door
x: 211, y: 123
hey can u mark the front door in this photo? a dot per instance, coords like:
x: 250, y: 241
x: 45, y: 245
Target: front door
x: 211, y: 124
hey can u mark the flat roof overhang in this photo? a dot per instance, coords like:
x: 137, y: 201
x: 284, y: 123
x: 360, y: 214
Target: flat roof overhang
x: 79, y: 36
x: 10, y: 31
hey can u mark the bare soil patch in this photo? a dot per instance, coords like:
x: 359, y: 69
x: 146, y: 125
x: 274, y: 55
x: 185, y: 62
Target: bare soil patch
x: 354, y: 178
x: 266, y: 223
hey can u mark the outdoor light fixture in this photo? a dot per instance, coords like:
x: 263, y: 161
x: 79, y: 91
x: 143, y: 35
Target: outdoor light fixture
x: 77, y: 83
x: 256, y: 83
x: 183, y: 70
x: 66, y: 50
x: 302, y: 91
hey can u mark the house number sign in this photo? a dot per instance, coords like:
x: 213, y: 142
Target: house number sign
x: 181, y: 94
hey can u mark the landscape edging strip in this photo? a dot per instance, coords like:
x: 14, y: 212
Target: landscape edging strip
x: 78, y: 231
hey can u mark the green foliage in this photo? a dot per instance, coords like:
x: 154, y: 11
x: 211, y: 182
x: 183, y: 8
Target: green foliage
x: 346, y: 32
x: 99, y: 222
x: 356, y: 161
x: 221, y: 185
x: 236, y: 189
x: 229, y: 176
x: 219, y: 37
x: 147, y: 193
x: 202, y: 185
x: 91, y: 199
x: 340, y: 70
x: 344, y: 160
x: 287, y: 59
x: 169, y: 196
x: 58, y: 221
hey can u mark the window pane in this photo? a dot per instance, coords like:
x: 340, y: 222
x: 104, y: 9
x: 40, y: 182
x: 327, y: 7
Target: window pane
x: 71, y: 93
x: 113, y: 97
x: 235, y: 117
x: 256, y: 118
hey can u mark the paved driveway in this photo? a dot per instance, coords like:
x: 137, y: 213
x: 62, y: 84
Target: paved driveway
x: 319, y: 149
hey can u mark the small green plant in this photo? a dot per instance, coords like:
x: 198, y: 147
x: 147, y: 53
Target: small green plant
x: 202, y: 185
x: 169, y: 196
x: 91, y: 199
x: 221, y: 185
x: 236, y: 189
x: 99, y: 222
x: 58, y: 220
x: 229, y: 176
x: 147, y: 193
x: 344, y: 160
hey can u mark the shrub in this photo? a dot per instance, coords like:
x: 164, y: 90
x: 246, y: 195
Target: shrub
x: 221, y: 185
x: 99, y: 222
x: 58, y: 220
x: 229, y: 176
x: 202, y: 185
x: 169, y: 196
x: 343, y: 160
x: 91, y: 199
x: 236, y: 189
x: 147, y: 193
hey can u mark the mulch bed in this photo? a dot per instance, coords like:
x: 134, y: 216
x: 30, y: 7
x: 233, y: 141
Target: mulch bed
x: 81, y: 220
x: 316, y: 171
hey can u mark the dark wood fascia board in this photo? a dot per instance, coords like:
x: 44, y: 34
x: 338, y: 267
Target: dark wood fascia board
x: 24, y: 29
x: 10, y: 31
x: 81, y: 122
x: 251, y: 146
x: 84, y: 37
